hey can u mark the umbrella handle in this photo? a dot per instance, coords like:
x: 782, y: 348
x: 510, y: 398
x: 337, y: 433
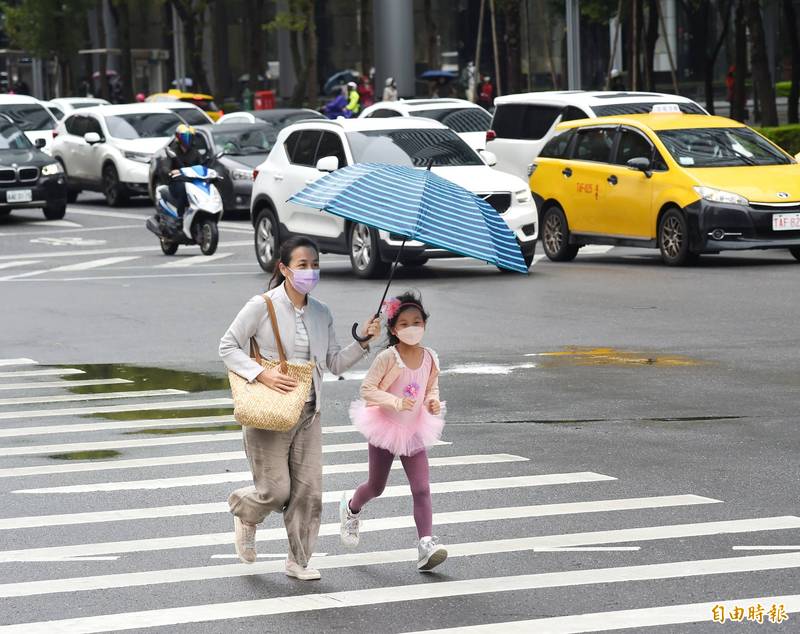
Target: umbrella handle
x: 354, y: 330
x: 358, y: 337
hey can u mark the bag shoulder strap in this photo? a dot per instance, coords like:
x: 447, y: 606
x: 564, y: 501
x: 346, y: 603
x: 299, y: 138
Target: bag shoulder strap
x: 276, y: 332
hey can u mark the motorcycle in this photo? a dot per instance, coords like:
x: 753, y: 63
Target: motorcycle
x: 198, y: 223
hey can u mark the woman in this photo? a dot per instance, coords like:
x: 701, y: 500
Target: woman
x: 287, y: 466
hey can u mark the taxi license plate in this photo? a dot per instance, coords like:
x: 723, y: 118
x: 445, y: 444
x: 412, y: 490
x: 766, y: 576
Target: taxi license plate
x: 786, y: 222
x: 19, y: 196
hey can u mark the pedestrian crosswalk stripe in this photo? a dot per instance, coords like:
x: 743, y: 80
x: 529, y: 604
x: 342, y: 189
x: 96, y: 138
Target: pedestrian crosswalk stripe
x: 41, y: 385
x: 623, y: 619
x: 14, y: 264
x: 183, y: 510
x: 108, y: 409
x: 18, y: 361
x: 139, y: 424
x: 213, y: 478
x: 439, y: 519
x: 192, y: 260
x: 93, y: 264
x: 46, y: 372
x: 296, y: 604
x: 107, y: 396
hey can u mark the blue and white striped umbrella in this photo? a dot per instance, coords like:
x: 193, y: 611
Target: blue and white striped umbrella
x: 419, y: 205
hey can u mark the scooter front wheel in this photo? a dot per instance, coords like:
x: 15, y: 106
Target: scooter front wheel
x: 168, y: 247
x: 209, y: 237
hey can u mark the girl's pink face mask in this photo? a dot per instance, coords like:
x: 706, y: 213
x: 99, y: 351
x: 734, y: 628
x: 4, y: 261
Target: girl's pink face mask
x: 411, y: 335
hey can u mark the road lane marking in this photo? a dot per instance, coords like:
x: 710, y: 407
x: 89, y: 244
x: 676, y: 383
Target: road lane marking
x: 192, y: 260
x: 48, y: 224
x: 18, y: 361
x: 303, y: 603
x: 13, y: 264
x: 770, y: 547
x: 108, y: 251
x: 48, y: 372
x: 94, y: 264
x: 107, y: 396
x: 214, y: 478
x: 40, y: 385
x: 185, y: 510
x: 109, y: 409
x: 470, y: 516
x: 8, y: 278
x: 623, y: 619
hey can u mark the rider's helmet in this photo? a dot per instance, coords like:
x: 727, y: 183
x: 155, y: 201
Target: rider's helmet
x: 351, y: 85
x: 185, y: 134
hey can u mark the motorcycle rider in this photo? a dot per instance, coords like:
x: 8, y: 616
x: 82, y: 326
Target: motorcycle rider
x: 354, y: 99
x: 181, y: 152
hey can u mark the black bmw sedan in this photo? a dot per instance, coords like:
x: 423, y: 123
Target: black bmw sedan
x: 236, y: 151
x: 28, y: 176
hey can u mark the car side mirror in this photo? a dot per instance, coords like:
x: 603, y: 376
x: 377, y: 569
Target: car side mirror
x: 40, y: 143
x: 489, y: 158
x: 328, y: 164
x: 640, y: 164
x: 219, y: 155
x: 92, y: 137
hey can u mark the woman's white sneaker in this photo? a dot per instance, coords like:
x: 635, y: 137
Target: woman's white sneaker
x: 431, y: 553
x: 296, y: 571
x: 349, y: 523
x: 245, y: 540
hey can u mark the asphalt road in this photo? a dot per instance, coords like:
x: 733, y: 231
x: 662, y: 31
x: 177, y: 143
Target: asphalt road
x: 643, y: 416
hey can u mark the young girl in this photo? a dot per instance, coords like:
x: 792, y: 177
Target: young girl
x: 400, y: 415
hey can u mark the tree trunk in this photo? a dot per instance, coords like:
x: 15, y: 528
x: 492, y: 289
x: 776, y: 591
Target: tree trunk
x: 790, y: 16
x: 431, y: 35
x: 711, y: 59
x: 513, y: 37
x: 255, y: 59
x: 312, y: 90
x: 222, y: 74
x: 105, y: 92
x: 740, y: 74
x: 192, y: 15
x: 364, y: 43
x: 762, y: 77
x: 125, y: 62
x: 650, y: 39
x: 299, y: 69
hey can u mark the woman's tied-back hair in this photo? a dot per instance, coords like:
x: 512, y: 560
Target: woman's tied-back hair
x: 285, y: 256
x: 396, y: 306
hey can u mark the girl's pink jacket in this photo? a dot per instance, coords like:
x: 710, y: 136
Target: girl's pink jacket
x: 384, y: 371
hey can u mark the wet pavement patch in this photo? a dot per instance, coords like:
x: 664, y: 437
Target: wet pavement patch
x: 189, y: 412
x: 166, y: 431
x: 86, y: 455
x: 588, y: 356
x: 144, y: 378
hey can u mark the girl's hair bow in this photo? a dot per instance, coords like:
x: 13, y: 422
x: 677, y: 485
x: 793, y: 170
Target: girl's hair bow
x: 390, y: 307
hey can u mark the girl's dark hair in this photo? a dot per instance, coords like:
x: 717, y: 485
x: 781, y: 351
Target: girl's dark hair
x: 285, y: 256
x: 413, y: 300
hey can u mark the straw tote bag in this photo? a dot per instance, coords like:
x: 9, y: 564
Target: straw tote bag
x: 255, y: 404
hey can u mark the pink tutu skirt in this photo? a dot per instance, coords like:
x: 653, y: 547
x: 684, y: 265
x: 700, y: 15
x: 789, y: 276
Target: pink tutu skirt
x: 400, y: 433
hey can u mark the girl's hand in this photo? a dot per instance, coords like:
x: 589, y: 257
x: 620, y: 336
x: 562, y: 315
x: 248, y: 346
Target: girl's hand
x: 274, y: 380
x: 434, y: 407
x: 371, y: 330
x: 408, y: 405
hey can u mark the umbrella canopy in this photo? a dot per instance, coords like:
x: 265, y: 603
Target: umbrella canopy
x: 339, y: 79
x: 419, y: 205
x: 438, y: 74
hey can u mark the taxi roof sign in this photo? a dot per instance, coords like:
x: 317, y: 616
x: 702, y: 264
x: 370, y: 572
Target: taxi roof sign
x: 667, y: 108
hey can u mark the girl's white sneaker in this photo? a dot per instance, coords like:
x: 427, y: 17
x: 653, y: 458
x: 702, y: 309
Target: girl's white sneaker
x: 349, y: 523
x: 431, y: 553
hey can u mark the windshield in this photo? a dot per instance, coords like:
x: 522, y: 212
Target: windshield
x: 720, y: 147
x: 203, y: 104
x: 411, y: 147
x: 12, y: 138
x: 28, y: 116
x: 459, y: 119
x: 192, y: 116
x: 241, y: 143
x: 142, y: 125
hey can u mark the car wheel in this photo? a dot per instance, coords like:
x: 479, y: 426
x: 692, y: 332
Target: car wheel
x: 168, y: 247
x: 266, y: 240
x: 555, y: 236
x: 115, y: 192
x: 365, y: 257
x: 673, y: 239
x: 795, y: 252
x: 55, y: 212
x: 209, y: 237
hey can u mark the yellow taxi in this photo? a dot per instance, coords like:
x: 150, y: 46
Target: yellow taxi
x: 683, y: 183
x: 202, y: 101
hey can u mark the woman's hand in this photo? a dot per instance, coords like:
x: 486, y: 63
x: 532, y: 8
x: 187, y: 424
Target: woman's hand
x: 434, y: 407
x: 371, y: 329
x: 274, y: 380
x: 407, y: 405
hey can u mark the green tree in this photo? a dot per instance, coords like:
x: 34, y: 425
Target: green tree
x: 193, y: 16
x: 46, y: 28
x: 300, y: 22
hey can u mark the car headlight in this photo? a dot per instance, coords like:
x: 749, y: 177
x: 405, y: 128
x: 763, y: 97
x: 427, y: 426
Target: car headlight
x: 522, y: 196
x: 242, y: 175
x: 720, y: 196
x: 139, y: 157
x: 52, y: 169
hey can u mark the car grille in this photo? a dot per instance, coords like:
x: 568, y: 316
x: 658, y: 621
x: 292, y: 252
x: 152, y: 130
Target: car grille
x: 500, y: 201
x: 7, y: 175
x: 28, y: 174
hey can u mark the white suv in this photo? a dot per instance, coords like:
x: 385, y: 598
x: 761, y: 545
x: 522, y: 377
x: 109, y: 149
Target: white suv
x: 108, y: 148
x: 32, y: 117
x: 305, y: 151
x: 467, y: 119
x: 523, y: 123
